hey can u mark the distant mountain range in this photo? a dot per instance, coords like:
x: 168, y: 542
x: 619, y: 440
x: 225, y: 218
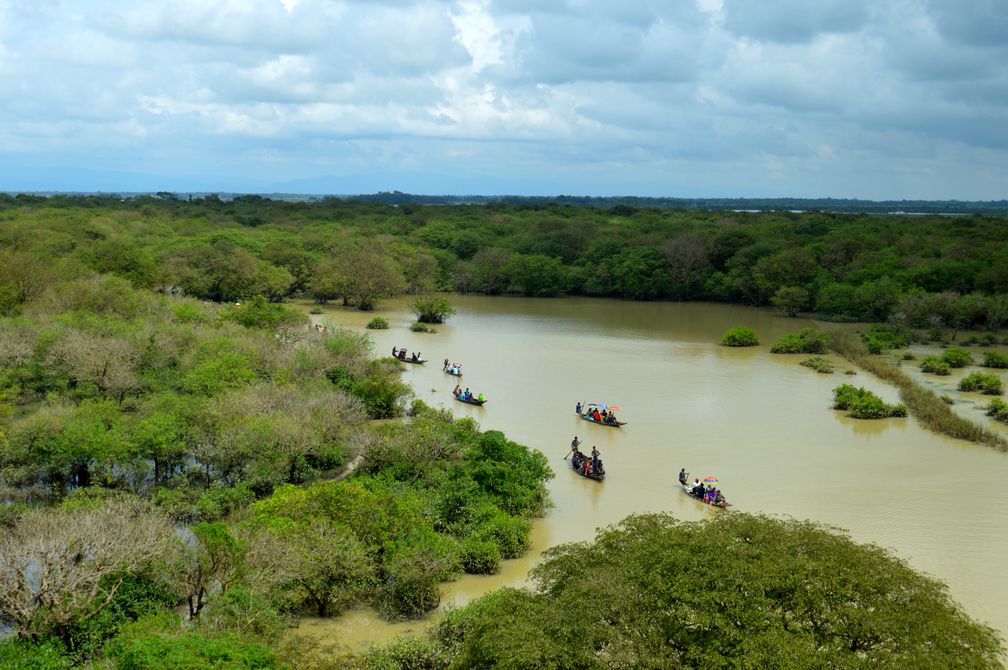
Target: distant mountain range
x: 398, y: 198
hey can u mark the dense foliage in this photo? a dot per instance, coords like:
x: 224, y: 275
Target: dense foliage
x: 768, y: 593
x: 994, y: 359
x: 935, y: 365
x: 925, y: 272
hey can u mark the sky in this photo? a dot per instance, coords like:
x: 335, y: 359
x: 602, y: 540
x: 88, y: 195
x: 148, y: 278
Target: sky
x: 903, y: 99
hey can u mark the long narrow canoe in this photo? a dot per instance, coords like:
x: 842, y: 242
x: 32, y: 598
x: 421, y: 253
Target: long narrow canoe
x: 471, y: 401
x: 602, y: 423
x: 452, y: 373
x: 419, y: 361
x: 686, y: 490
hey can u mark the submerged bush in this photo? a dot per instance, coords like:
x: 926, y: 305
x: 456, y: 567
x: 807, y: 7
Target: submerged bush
x: 741, y: 336
x: 957, y: 358
x: 377, y: 323
x: 808, y: 341
x: 479, y: 557
x: 861, y: 403
x: 985, y: 382
x: 819, y: 364
x: 998, y: 409
x: 418, y: 327
x: 934, y: 365
x: 432, y: 309
x: 883, y: 337
x: 993, y: 359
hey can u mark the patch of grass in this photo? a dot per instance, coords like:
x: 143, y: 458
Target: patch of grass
x: 923, y: 404
x: 883, y: 337
x: 947, y: 399
x: 819, y: 364
x: 418, y: 327
x: 907, y: 356
x: 985, y: 382
x: 741, y: 336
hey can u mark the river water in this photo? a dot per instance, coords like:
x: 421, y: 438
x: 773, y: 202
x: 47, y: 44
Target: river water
x: 759, y: 422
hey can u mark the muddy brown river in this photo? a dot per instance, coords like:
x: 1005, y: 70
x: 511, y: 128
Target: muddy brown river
x: 759, y: 422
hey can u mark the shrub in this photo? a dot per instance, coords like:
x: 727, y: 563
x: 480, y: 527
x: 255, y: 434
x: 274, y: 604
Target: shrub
x: 989, y: 340
x: 480, y: 557
x: 993, y: 359
x: 948, y: 400
x: 861, y: 403
x: 377, y: 323
x: 407, y: 653
x: 432, y: 309
x: 741, y: 336
x: 985, y: 382
x: 882, y: 337
x: 418, y: 327
x: 819, y: 364
x: 998, y: 409
x: 260, y: 313
x: 957, y: 358
x: 907, y: 356
x: 48, y: 655
x: 808, y: 341
x: 934, y: 365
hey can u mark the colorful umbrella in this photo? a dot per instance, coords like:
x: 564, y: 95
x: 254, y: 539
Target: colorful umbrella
x: 614, y: 406
x: 710, y: 480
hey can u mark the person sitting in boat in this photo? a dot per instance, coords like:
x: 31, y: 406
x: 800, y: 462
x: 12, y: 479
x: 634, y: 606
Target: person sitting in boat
x: 467, y: 395
x: 577, y: 409
x: 402, y: 354
x: 682, y: 477
x: 597, y: 416
x: 458, y: 370
x: 718, y: 498
x: 415, y: 356
x: 597, y: 467
x: 481, y: 398
x: 611, y: 419
x: 586, y: 467
x: 697, y: 490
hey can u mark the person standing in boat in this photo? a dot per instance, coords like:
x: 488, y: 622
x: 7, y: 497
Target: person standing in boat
x: 445, y: 366
x: 575, y: 443
x: 577, y: 409
x: 395, y: 351
x: 683, y: 477
x: 457, y: 391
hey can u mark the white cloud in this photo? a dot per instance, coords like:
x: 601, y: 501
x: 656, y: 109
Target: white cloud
x: 686, y: 97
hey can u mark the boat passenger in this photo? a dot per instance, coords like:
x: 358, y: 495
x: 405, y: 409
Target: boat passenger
x: 682, y: 476
x: 575, y: 443
x: 395, y: 351
x: 457, y: 391
x: 467, y: 395
x: 415, y: 356
x: 402, y: 354
x: 718, y: 498
x: 595, y: 452
x: 577, y: 409
x: 597, y: 416
x: 586, y: 467
x: 445, y: 365
x: 481, y: 398
x: 697, y: 490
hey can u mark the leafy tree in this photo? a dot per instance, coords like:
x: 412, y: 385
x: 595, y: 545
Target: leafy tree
x: 432, y: 309
x: 780, y: 594
x: 790, y: 299
x: 212, y: 563
x: 372, y: 278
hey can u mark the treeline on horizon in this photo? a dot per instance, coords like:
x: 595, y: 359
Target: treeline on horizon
x: 924, y: 272
x: 844, y: 205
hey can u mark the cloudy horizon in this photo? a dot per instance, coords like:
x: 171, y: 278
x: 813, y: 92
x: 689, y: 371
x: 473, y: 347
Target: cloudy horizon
x: 706, y: 98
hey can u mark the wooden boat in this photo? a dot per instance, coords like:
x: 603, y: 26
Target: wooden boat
x: 686, y: 490
x: 418, y: 361
x: 451, y: 372
x: 591, y: 475
x: 602, y: 423
x: 471, y: 401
